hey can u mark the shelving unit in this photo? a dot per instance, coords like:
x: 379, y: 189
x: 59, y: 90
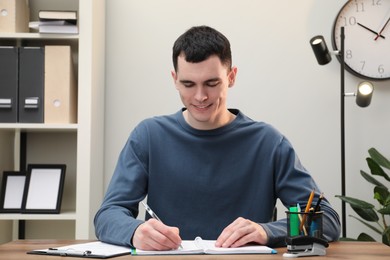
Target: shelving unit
x: 79, y: 146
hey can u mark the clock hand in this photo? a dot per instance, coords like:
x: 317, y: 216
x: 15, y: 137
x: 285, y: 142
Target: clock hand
x: 374, y: 32
x: 384, y: 26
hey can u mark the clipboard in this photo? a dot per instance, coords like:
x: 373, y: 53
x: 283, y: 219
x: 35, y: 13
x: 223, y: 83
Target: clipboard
x: 95, y: 249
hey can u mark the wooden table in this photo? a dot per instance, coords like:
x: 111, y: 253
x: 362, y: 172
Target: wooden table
x: 337, y: 250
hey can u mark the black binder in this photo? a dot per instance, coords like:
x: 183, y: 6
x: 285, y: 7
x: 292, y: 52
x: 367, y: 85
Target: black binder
x: 31, y: 84
x: 8, y: 84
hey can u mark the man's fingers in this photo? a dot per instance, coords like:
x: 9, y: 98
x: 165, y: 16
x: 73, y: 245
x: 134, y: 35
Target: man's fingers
x: 240, y: 232
x: 227, y: 236
x: 154, y: 235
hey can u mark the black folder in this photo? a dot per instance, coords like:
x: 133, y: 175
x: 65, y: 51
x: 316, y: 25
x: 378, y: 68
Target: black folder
x: 31, y: 84
x: 8, y: 84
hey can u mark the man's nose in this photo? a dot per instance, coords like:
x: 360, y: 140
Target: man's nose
x: 201, y: 94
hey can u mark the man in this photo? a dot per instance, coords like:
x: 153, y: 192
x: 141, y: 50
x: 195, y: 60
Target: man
x: 206, y: 170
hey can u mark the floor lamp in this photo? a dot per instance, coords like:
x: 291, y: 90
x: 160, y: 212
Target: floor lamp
x: 363, y: 99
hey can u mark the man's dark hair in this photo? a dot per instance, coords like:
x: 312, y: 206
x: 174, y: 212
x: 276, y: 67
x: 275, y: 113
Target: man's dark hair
x: 199, y: 43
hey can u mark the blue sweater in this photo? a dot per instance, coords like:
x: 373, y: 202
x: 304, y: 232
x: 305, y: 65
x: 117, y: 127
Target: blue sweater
x: 202, y: 180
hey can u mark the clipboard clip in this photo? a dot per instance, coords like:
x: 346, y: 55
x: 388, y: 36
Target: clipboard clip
x: 67, y: 252
x: 305, y: 246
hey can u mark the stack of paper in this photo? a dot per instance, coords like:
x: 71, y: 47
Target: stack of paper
x: 56, y: 22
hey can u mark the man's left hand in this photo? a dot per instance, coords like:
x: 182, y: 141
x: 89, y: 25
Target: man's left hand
x: 242, y: 231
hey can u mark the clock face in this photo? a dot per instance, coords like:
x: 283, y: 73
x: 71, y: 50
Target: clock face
x: 367, y: 37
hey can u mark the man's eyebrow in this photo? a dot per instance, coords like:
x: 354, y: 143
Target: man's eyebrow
x: 212, y: 79
x: 185, y: 81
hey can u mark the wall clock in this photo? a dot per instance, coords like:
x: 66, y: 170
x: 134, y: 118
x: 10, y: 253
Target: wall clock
x: 367, y: 38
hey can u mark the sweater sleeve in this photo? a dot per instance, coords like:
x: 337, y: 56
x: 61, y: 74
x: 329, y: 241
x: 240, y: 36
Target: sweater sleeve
x: 293, y: 185
x: 115, y: 222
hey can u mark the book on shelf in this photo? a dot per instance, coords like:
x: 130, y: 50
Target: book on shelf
x: 64, y: 28
x: 59, y: 26
x: 202, y: 246
x: 47, y: 15
x: 62, y: 22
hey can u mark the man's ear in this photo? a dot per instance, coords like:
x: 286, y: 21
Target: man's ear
x: 232, y: 76
x: 174, y: 77
x: 173, y: 74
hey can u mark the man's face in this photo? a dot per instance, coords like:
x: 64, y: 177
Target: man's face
x: 203, y: 90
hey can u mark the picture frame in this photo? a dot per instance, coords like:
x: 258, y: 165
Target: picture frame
x: 44, y: 188
x: 12, y: 191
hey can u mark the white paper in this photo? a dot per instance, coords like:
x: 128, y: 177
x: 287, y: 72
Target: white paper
x: 14, y: 192
x: 43, y: 189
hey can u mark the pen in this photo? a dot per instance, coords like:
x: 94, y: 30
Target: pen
x: 150, y: 211
x: 317, y: 207
x: 307, y: 209
x: 153, y: 215
x: 300, y: 220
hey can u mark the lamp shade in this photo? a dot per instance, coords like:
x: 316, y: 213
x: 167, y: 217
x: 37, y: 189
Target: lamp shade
x: 320, y: 49
x: 364, y: 94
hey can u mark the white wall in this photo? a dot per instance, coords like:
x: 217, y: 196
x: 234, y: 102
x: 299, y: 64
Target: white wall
x: 278, y: 81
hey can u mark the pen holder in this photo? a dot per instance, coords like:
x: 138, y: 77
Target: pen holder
x: 304, y: 233
x: 304, y: 224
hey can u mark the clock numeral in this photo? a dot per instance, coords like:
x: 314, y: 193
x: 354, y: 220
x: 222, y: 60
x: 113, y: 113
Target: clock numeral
x: 363, y: 65
x: 349, y: 21
x: 360, y: 7
x: 348, y: 54
x: 376, y: 2
x: 381, y: 69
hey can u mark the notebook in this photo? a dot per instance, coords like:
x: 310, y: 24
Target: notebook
x: 201, y: 246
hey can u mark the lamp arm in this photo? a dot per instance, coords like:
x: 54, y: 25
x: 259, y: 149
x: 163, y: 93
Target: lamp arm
x: 342, y: 129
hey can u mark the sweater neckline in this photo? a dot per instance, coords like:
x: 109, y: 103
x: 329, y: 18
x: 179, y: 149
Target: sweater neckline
x: 217, y: 131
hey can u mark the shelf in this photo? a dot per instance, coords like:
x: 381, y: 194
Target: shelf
x: 29, y: 127
x: 66, y: 215
x: 39, y: 36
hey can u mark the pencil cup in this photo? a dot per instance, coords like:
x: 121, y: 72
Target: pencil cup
x: 304, y: 224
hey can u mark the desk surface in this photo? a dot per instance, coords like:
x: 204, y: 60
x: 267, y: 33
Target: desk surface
x: 337, y: 250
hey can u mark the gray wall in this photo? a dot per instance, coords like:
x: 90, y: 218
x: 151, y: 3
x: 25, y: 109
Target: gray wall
x: 278, y: 80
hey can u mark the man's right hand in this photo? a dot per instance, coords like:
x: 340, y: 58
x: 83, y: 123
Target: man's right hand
x: 154, y: 235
